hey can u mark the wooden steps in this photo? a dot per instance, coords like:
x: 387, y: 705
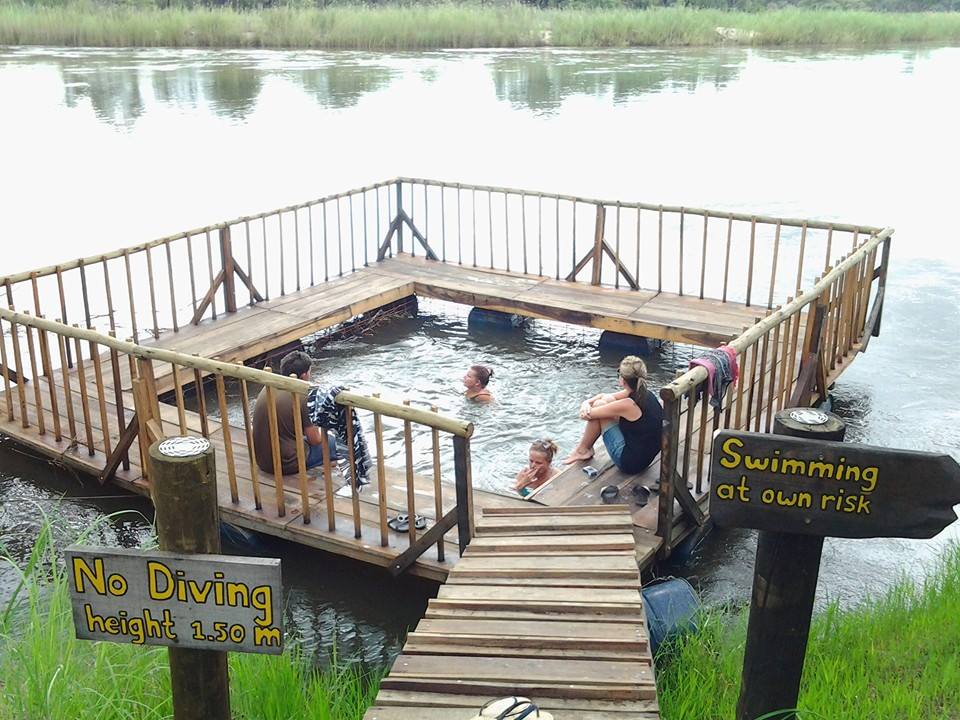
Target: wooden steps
x: 531, y: 624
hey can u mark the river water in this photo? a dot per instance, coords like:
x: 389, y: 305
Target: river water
x: 104, y: 148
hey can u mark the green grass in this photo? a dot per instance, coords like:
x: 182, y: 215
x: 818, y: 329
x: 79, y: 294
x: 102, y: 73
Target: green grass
x: 45, y: 673
x: 895, y: 658
x: 419, y: 27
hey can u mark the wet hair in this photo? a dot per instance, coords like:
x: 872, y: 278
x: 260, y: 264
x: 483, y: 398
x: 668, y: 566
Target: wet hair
x: 295, y: 363
x: 546, y: 446
x: 634, y: 371
x: 483, y: 373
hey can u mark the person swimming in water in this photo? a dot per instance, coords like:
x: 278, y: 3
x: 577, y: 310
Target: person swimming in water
x: 629, y: 420
x: 475, y: 381
x: 539, y: 469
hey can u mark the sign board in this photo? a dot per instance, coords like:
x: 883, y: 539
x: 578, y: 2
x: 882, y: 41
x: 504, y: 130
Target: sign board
x: 208, y: 602
x: 816, y: 487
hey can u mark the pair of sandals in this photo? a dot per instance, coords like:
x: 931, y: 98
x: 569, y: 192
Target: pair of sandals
x: 641, y: 493
x: 401, y: 523
x: 512, y: 708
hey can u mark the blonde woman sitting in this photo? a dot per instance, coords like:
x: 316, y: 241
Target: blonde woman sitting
x: 629, y: 420
x: 539, y: 469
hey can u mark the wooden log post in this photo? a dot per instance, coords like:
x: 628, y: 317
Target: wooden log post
x: 184, y: 490
x: 464, y: 487
x: 781, y: 605
x: 598, y: 231
x: 229, y: 274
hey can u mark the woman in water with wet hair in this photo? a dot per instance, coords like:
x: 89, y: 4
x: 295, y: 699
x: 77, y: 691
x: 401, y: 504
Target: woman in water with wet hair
x: 629, y: 420
x: 539, y: 468
x: 475, y: 381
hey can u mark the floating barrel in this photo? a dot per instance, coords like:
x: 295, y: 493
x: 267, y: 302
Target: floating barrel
x: 494, y: 319
x: 672, y: 606
x: 623, y: 344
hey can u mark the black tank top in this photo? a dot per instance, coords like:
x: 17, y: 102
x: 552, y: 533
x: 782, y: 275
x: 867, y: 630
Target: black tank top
x: 642, y: 436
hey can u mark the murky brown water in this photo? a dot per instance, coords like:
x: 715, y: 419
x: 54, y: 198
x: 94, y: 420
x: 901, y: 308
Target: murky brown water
x: 106, y: 148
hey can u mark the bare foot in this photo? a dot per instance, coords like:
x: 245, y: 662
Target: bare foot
x: 577, y: 455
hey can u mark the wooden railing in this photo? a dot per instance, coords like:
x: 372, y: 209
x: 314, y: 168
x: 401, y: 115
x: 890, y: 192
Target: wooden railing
x: 172, y: 282
x: 786, y: 359
x: 752, y: 259
x: 110, y: 374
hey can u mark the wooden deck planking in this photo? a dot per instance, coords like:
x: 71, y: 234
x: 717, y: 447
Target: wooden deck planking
x: 577, y: 652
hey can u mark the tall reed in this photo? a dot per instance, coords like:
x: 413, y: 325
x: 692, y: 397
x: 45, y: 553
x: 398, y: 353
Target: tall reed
x: 420, y: 27
x: 46, y: 673
x: 893, y: 658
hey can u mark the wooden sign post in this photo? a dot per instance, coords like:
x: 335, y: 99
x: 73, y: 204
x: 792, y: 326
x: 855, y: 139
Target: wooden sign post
x: 198, y: 603
x: 797, y: 487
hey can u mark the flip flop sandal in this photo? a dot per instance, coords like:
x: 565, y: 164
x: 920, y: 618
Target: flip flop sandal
x: 609, y: 493
x: 642, y: 494
x: 401, y: 523
x: 512, y: 708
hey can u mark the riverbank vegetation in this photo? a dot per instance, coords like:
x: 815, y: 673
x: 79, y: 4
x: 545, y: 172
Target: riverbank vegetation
x: 895, y: 658
x: 45, y: 672
x: 420, y: 27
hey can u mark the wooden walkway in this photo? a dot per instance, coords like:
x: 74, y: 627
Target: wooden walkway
x: 265, y: 326
x: 544, y: 604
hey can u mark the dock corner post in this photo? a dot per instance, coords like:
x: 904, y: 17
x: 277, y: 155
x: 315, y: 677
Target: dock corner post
x: 184, y: 492
x: 781, y: 603
x: 669, y: 447
x: 399, y: 215
x: 229, y: 271
x: 598, y: 234
x: 464, y: 485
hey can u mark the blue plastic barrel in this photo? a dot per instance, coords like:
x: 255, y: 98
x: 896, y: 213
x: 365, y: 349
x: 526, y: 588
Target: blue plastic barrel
x: 671, y: 606
x: 494, y: 319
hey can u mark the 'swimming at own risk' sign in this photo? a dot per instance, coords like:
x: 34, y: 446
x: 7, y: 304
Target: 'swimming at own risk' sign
x: 207, y: 602
x: 819, y: 487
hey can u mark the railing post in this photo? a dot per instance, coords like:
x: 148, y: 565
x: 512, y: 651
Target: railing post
x: 226, y: 258
x: 598, y: 245
x: 464, y: 483
x: 399, y: 214
x: 882, y: 283
x: 669, y: 448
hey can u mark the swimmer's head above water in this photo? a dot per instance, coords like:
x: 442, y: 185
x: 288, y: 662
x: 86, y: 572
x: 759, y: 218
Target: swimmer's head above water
x: 475, y: 381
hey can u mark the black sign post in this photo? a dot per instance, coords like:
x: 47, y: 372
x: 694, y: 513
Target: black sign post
x: 796, y: 487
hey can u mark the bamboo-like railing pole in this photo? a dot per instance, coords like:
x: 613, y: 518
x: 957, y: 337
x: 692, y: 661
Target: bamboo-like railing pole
x: 84, y: 396
x: 301, y: 457
x: 7, y: 396
x: 381, y: 477
x: 354, y: 480
x: 697, y: 375
x: 51, y: 385
x: 67, y: 389
x: 18, y: 366
x: 251, y: 450
x: 437, y: 485
x: 101, y: 398
x: 178, y: 391
x: 228, y: 440
x: 328, y: 482
x: 275, y: 451
x: 38, y: 400
x: 411, y: 490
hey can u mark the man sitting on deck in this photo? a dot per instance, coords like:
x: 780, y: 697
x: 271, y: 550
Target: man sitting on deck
x: 296, y: 363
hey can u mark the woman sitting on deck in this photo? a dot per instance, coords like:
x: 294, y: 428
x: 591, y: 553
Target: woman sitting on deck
x: 476, y: 381
x: 539, y: 469
x: 629, y: 420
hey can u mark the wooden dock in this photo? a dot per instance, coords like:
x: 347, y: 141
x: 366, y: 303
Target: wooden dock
x: 545, y: 604
x: 81, y: 395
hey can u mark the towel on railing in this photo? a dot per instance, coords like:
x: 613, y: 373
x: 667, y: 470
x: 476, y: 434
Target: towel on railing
x: 722, y: 370
x: 324, y: 412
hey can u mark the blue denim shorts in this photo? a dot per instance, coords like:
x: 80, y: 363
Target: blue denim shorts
x: 614, y: 441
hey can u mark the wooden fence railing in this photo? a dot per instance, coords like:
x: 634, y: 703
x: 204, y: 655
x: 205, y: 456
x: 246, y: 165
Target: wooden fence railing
x: 786, y: 359
x: 166, y: 284
x: 89, y: 409
x: 752, y: 259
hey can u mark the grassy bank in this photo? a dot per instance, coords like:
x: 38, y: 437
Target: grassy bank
x: 458, y: 26
x: 46, y: 673
x: 897, y: 658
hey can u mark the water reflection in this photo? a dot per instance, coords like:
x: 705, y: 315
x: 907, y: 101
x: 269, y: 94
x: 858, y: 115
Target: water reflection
x: 341, y: 86
x: 120, y: 94
x: 542, y: 82
x: 113, y: 92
